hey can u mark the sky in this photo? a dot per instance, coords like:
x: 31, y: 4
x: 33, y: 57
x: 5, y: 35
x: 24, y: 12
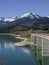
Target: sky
x: 10, y: 8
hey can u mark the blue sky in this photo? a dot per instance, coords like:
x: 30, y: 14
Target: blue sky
x: 20, y: 7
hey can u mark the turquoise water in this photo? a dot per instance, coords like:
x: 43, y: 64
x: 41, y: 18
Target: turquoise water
x: 12, y: 55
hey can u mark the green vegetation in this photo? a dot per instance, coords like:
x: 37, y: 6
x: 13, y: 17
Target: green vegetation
x: 25, y: 32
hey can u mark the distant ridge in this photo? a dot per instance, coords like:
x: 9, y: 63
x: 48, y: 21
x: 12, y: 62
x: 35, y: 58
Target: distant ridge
x: 28, y: 20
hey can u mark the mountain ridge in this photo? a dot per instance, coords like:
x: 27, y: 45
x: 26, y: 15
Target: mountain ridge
x: 29, y: 20
x: 15, y: 17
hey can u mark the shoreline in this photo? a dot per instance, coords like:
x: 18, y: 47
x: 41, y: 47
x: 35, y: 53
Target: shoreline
x: 22, y: 43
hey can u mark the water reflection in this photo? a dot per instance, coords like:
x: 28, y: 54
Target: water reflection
x: 7, y: 41
x: 5, y: 45
x: 12, y: 55
x: 25, y: 50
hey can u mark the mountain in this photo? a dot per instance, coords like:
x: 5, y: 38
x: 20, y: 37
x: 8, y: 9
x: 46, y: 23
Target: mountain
x: 12, y: 22
x: 28, y: 20
x: 10, y: 19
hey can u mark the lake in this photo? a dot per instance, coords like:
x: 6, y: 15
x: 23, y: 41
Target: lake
x: 13, y: 55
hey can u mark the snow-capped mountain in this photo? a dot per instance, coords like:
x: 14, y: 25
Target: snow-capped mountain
x: 37, y: 16
x: 27, y: 20
x: 9, y: 19
x: 48, y: 16
x: 27, y: 15
x: 30, y: 15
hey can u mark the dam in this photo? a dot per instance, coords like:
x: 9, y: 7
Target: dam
x: 41, y: 47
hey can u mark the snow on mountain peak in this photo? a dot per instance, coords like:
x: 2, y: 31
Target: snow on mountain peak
x: 37, y: 16
x: 48, y: 16
x: 7, y: 19
x: 25, y: 15
x: 11, y: 19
